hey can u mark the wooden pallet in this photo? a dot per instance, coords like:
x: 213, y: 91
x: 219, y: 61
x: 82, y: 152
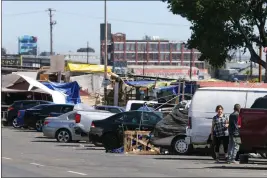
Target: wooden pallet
x: 146, y: 148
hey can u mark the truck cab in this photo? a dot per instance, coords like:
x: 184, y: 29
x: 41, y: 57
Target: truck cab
x: 253, y: 127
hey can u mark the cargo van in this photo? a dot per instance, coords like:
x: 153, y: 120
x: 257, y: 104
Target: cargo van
x: 203, y: 106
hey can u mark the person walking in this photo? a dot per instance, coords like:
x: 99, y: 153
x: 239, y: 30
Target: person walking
x: 219, y: 132
x: 234, y: 137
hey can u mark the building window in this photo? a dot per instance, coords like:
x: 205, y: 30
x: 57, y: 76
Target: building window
x: 176, y: 56
x: 197, y: 56
x: 130, y: 56
x: 165, y: 57
x: 118, y: 56
x: 164, y: 47
x: 153, y: 47
x: 141, y: 56
x: 130, y: 46
x: 176, y: 46
x: 141, y: 46
x: 118, y: 47
x: 153, y: 56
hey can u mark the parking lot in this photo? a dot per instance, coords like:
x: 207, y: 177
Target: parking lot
x: 27, y: 153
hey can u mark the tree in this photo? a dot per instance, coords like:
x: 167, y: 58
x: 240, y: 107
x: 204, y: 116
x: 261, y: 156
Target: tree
x: 3, y: 51
x: 220, y: 27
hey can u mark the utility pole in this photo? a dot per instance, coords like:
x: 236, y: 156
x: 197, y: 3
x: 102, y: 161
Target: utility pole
x: 52, y: 23
x: 106, y: 52
x: 144, y: 61
x: 87, y: 54
x: 260, y: 54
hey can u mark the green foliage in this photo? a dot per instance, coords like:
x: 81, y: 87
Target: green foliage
x: 219, y: 27
x: 3, y: 51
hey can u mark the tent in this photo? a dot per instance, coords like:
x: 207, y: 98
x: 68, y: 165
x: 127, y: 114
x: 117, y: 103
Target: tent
x: 15, y: 83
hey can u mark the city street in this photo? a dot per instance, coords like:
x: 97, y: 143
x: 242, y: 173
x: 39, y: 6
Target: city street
x: 28, y: 154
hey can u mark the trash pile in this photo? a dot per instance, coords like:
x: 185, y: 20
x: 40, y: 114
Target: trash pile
x: 174, y: 123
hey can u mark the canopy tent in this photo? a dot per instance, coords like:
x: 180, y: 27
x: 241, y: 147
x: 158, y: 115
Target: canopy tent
x: 22, y: 83
x: 87, y: 68
x: 140, y: 83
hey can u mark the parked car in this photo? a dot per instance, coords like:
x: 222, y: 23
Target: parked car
x: 110, y: 130
x: 112, y: 109
x: 34, y: 117
x: 61, y: 127
x: 83, y: 122
x: 202, y: 110
x: 253, y: 127
x: 21, y: 105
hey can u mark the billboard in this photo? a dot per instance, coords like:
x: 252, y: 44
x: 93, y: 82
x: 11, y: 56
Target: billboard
x: 27, y: 45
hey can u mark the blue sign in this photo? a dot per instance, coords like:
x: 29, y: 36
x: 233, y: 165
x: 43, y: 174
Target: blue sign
x: 27, y: 45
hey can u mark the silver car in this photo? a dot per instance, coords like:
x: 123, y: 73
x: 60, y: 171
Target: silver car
x: 61, y: 127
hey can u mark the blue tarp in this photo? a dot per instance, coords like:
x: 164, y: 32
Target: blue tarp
x: 141, y: 83
x: 189, y: 89
x: 72, y: 90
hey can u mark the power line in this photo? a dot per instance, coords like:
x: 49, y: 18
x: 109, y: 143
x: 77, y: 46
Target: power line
x: 125, y: 21
x: 23, y: 13
x: 101, y: 18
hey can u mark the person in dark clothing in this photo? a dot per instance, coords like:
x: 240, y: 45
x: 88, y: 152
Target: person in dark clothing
x: 219, y: 131
x: 234, y: 138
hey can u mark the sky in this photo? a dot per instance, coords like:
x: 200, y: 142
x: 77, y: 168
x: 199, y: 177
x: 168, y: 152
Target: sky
x: 79, y: 22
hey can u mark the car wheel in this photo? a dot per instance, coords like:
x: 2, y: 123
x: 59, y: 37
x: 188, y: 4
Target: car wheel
x: 15, y: 123
x: 110, y: 141
x: 180, y: 146
x: 39, y: 125
x: 63, y: 135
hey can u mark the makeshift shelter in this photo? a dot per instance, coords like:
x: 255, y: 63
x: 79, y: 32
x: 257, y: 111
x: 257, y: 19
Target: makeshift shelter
x: 87, y: 68
x: 21, y: 85
x: 174, y: 123
x: 71, y: 90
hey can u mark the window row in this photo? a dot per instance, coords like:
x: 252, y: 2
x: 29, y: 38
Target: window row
x: 153, y: 56
x: 149, y: 47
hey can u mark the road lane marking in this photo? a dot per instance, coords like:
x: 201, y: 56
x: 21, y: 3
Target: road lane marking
x: 7, y: 158
x: 36, y: 164
x: 77, y: 173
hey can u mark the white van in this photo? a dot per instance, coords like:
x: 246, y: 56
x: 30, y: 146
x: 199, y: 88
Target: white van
x: 203, y: 106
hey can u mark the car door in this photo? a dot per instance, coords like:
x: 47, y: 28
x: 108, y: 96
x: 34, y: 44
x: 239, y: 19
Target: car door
x: 149, y: 120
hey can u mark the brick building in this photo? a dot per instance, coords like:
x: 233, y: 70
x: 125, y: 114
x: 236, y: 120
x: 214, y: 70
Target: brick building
x: 154, y: 52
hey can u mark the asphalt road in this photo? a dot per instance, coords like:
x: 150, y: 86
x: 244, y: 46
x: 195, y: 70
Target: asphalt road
x: 28, y: 154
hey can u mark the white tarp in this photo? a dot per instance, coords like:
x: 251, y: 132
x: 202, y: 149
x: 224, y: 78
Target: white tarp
x: 58, y: 97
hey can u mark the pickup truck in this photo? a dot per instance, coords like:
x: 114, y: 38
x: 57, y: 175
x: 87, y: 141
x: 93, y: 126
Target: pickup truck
x: 253, y: 127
